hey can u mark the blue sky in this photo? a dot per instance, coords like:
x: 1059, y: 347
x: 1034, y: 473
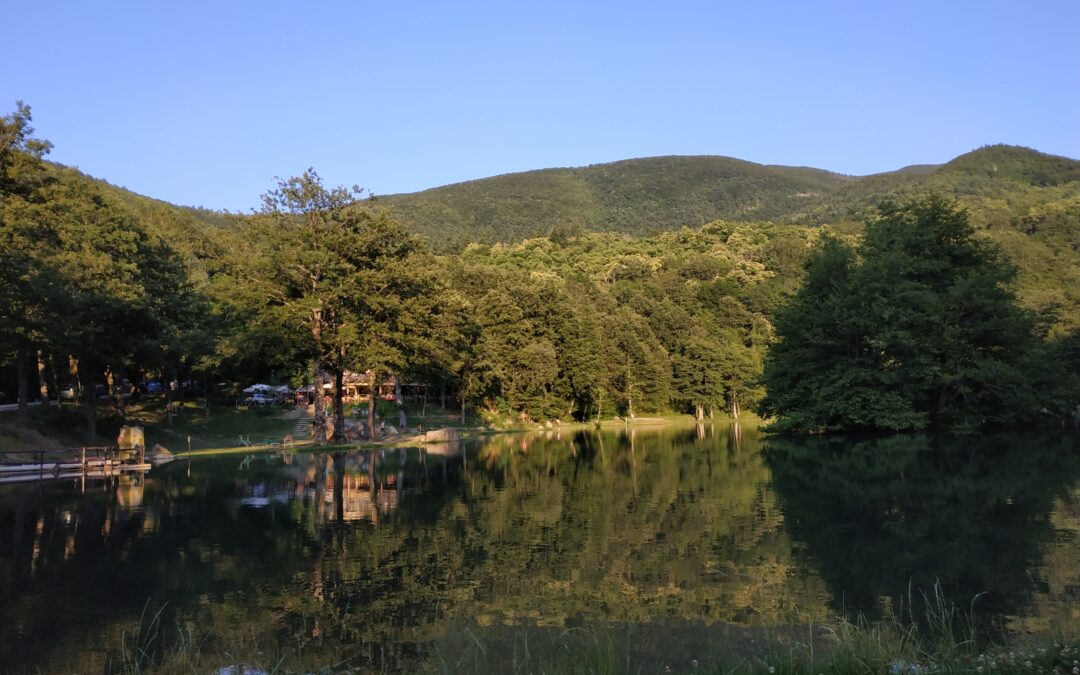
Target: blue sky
x: 203, y: 103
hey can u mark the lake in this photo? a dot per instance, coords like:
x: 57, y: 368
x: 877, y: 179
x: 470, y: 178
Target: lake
x: 660, y: 546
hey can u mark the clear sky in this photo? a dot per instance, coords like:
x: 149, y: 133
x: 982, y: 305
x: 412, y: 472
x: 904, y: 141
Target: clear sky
x: 203, y: 103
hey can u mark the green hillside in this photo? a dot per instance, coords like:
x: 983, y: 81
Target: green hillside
x: 1027, y: 202
x: 193, y: 232
x: 636, y: 196
x: 994, y: 183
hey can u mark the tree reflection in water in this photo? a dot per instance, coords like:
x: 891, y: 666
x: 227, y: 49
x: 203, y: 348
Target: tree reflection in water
x: 380, y: 557
x: 885, y: 519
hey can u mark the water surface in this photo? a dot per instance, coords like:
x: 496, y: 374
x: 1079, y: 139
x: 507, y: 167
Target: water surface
x: 669, y: 543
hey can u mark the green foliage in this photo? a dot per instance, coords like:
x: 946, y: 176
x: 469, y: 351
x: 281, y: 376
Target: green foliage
x: 615, y: 307
x: 636, y: 196
x: 917, y: 326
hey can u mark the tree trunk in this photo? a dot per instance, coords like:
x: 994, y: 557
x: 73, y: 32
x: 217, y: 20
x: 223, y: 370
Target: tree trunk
x: 23, y: 377
x: 339, y: 405
x: 319, y: 431
x: 462, y: 393
x: 734, y: 408
x: 55, y: 383
x: 168, y: 397
x: 442, y: 394
x: 942, y: 400
x: 373, y: 396
x: 399, y: 399
x: 43, y: 381
x: 630, y: 401
x: 699, y: 412
x: 89, y: 380
x: 73, y: 367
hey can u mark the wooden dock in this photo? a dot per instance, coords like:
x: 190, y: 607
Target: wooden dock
x: 100, y: 463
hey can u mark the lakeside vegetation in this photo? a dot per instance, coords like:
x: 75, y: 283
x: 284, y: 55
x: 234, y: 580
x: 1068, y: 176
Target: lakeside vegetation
x: 839, y: 647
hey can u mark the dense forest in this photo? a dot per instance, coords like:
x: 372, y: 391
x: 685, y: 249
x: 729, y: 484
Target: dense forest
x: 627, y: 289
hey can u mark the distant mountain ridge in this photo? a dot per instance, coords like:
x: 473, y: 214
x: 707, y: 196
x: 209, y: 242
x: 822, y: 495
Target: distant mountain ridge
x: 641, y: 196
x: 1024, y: 201
x: 636, y: 196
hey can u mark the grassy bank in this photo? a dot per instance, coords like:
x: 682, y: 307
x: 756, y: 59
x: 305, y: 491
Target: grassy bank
x: 58, y: 429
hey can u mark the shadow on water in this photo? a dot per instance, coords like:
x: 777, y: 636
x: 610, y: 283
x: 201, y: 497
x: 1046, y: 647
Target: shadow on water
x: 885, y: 519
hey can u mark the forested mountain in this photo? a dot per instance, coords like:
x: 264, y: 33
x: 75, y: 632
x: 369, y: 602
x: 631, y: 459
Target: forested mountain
x: 627, y: 288
x: 1027, y: 202
x: 994, y: 183
x: 643, y: 196
x: 638, y: 196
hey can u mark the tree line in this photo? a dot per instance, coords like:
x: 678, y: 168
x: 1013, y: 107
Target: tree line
x: 573, y: 325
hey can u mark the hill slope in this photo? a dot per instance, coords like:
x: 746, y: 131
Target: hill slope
x: 1025, y: 201
x: 994, y: 183
x: 633, y: 196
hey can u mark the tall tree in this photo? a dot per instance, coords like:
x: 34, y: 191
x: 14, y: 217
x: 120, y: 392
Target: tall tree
x: 387, y: 302
x: 293, y: 265
x: 334, y: 280
x: 22, y: 180
x: 916, y: 327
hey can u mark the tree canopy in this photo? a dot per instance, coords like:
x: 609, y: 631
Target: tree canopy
x: 916, y: 326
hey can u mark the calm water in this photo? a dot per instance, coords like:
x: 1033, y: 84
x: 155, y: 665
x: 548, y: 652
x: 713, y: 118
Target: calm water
x: 668, y: 542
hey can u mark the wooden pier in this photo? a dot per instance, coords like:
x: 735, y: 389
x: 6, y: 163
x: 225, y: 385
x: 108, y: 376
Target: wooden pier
x: 88, y: 462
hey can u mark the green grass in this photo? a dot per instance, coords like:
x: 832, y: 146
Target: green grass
x: 58, y: 430
x: 221, y: 428
x: 55, y: 430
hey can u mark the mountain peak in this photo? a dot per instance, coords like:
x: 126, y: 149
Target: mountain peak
x: 1012, y: 162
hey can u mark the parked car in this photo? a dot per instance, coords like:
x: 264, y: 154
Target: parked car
x: 68, y: 392
x: 259, y: 400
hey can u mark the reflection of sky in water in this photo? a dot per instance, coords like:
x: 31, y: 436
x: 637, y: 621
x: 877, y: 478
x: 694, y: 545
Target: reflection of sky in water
x: 679, y: 535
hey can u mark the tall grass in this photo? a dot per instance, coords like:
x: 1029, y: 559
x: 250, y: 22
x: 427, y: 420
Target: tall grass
x: 939, y: 638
